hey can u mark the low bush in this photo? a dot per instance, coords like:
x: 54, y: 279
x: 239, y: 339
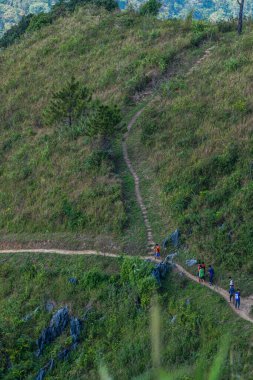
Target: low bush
x: 137, y: 273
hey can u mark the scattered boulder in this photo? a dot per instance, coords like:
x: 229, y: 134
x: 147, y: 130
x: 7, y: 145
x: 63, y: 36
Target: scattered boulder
x: 75, y: 329
x: 174, y: 239
x: 43, y: 371
x: 73, y: 280
x: 49, y: 306
x: 191, y: 262
x: 161, y: 270
x: 171, y: 256
x: 175, y: 236
x: 63, y: 355
x: 58, y: 324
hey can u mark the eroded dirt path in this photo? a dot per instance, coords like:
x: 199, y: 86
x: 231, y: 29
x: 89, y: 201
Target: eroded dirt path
x: 140, y: 202
x: 246, y: 302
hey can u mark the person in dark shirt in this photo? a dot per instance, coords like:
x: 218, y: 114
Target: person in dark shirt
x: 211, y: 274
x: 237, y: 299
x: 232, y: 293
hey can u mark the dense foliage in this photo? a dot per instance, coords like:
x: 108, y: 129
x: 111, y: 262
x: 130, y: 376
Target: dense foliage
x: 68, y: 104
x: 150, y: 7
x: 116, y: 326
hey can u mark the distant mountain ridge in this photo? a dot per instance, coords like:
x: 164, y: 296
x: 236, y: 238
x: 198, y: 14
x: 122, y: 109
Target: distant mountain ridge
x: 11, y: 11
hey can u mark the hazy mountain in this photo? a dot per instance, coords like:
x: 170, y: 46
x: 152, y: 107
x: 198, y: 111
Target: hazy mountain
x: 12, y: 10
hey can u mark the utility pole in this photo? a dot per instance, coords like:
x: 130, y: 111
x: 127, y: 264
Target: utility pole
x: 240, y: 18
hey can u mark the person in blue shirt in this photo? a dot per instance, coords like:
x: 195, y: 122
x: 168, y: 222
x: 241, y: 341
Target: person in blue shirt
x: 237, y: 299
x: 211, y: 274
x: 232, y: 293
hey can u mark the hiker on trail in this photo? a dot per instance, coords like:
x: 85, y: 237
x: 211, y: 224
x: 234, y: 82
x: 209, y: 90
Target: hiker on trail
x: 232, y: 294
x: 204, y: 267
x: 231, y: 281
x: 199, y: 267
x: 211, y: 274
x: 237, y: 299
x: 201, y: 274
x: 157, y: 251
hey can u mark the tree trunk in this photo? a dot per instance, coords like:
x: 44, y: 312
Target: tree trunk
x: 240, y: 18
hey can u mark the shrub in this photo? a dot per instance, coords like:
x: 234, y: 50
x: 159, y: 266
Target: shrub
x: 180, y: 200
x: 39, y: 21
x: 95, y: 160
x: 103, y: 121
x: 74, y: 218
x: 232, y: 64
x: 148, y: 131
x: 151, y: 7
x: 68, y: 104
x: 226, y: 26
x: 94, y: 278
x: 137, y: 274
x: 109, y: 5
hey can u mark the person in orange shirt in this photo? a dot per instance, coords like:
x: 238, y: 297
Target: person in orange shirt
x: 157, y: 250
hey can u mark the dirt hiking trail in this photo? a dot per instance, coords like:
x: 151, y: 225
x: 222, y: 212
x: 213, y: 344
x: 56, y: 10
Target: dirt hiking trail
x: 246, y: 302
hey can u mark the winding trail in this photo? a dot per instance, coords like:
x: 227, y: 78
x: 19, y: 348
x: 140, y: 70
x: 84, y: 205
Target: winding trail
x: 246, y: 302
x: 150, y: 239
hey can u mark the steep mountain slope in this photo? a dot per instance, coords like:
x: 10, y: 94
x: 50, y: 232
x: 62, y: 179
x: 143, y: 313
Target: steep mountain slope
x: 12, y: 11
x: 193, y: 151
x: 56, y: 179
x: 192, y: 148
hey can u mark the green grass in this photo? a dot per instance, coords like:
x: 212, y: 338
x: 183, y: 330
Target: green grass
x: 49, y: 181
x: 192, y: 148
x: 116, y: 333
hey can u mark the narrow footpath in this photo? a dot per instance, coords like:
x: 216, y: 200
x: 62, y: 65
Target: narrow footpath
x: 246, y: 302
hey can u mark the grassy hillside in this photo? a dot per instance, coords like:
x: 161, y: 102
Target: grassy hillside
x: 54, y: 179
x: 214, y: 10
x: 193, y: 149
x: 116, y: 331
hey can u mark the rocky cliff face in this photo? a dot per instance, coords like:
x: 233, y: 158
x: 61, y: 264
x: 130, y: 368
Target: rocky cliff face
x: 12, y: 10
